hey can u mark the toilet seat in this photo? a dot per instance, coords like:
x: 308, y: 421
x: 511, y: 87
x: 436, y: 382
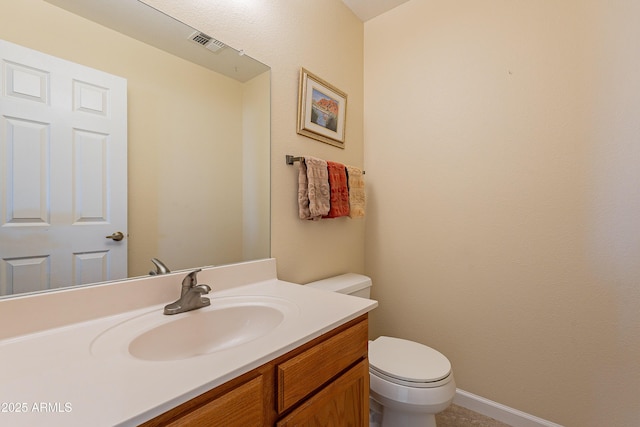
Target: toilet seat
x: 408, y: 363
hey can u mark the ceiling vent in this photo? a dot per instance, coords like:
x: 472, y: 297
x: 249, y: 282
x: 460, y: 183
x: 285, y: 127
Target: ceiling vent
x: 207, y: 41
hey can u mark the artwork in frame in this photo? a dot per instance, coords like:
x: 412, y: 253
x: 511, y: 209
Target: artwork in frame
x: 322, y: 110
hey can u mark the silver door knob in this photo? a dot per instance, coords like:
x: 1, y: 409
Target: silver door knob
x: 117, y: 236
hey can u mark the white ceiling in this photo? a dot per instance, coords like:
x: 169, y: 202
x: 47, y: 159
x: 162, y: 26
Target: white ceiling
x: 367, y: 9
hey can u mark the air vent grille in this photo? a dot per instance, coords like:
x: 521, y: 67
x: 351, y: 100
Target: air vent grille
x: 207, y: 41
x: 201, y: 38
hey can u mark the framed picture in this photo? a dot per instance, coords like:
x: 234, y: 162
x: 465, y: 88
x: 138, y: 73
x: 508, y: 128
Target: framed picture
x: 322, y: 110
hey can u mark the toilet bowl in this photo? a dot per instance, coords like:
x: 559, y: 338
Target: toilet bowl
x: 409, y: 382
x: 412, y: 382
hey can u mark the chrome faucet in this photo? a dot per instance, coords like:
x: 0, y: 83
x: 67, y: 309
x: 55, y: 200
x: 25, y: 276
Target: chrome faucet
x: 160, y: 267
x: 191, y: 295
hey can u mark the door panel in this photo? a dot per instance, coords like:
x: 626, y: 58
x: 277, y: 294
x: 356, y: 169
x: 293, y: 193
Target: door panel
x: 63, y: 148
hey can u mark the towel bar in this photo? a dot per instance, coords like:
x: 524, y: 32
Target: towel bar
x: 292, y: 159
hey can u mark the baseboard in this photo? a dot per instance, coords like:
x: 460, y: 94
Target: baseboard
x: 499, y: 412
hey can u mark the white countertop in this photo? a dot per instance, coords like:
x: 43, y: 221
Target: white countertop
x: 52, y: 378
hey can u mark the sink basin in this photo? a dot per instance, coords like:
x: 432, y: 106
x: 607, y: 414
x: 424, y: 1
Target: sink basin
x: 206, y: 332
x: 227, y: 323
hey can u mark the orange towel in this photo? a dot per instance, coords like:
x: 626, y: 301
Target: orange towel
x: 339, y: 190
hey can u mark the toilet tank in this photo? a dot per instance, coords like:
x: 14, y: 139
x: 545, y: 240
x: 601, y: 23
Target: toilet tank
x: 349, y: 283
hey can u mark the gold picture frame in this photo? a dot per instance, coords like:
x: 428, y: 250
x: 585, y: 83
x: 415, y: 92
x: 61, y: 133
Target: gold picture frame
x: 322, y: 110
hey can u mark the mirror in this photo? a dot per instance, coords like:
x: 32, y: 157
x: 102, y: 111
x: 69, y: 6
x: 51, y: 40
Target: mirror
x: 198, y: 127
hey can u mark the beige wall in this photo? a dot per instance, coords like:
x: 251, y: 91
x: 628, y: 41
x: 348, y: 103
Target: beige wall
x: 502, y: 161
x: 256, y: 146
x: 327, y: 39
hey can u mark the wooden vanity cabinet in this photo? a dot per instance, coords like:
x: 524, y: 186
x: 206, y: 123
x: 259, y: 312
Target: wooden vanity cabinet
x: 324, y: 382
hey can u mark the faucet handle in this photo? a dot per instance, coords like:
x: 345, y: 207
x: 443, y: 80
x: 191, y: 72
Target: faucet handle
x: 191, y: 279
x: 160, y: 267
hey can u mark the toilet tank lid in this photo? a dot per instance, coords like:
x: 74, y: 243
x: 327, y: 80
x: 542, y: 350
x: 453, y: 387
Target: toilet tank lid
x: 344, y: 283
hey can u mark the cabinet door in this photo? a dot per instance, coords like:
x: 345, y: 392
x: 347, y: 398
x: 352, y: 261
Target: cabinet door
x: 301, y: 375
x: 241, y: 407
x: 342, y: 403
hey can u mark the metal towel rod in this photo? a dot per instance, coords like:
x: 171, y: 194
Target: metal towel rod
x: 292, y: 159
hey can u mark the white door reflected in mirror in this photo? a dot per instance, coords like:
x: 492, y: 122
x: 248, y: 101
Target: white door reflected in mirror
x: 64, y: 155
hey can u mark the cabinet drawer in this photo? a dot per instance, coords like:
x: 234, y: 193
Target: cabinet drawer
x: 306, y: 372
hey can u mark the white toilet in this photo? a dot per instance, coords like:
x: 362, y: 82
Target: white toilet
x: 409, y: 382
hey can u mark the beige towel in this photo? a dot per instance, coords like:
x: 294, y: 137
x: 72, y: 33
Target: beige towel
x: 356, y: 192
x: 313, y: 189
x: 303, y: 191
